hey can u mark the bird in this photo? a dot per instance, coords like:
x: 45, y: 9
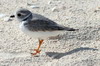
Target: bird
x: 38, y: 26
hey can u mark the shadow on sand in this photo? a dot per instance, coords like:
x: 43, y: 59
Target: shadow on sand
x: 56, y: 55
x: 84, y: 34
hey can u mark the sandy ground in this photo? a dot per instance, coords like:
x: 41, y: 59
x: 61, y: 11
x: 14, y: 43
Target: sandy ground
x: 80, y: 48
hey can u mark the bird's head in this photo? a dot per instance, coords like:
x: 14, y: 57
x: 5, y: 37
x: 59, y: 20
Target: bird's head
x: 22, y: 15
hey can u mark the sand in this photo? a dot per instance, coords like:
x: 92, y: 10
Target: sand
x: 79, y: 48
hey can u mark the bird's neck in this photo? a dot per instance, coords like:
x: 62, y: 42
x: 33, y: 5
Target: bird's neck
x: 28, y: 17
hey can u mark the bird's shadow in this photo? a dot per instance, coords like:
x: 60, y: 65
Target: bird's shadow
x: 57, y: 55
x: 84, y: 34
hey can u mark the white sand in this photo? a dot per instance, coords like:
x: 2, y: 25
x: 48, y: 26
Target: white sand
x: 81, y: 48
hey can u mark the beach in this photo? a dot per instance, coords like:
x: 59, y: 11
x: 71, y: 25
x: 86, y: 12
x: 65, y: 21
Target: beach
x: 76, y: 48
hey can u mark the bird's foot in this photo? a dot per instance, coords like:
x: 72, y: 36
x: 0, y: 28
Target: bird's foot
x: 37, y: 51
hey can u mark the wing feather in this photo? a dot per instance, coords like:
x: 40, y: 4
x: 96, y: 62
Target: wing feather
x: 43, y: 25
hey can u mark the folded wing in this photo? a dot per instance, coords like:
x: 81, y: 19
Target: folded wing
x: 45, y: 25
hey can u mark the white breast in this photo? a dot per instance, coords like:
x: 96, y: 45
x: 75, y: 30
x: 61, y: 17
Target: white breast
x: 39, y: 34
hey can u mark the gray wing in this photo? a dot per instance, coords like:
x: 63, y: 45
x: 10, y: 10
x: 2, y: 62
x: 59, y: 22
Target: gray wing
x: 44, y: 25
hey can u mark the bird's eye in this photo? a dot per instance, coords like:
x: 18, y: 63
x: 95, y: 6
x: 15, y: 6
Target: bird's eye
x: 19, y: 14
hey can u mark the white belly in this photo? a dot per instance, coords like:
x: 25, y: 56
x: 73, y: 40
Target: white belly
x: 40, y: 34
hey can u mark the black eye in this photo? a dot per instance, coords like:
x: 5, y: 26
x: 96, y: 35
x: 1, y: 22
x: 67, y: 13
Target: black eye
x: 19, y: 14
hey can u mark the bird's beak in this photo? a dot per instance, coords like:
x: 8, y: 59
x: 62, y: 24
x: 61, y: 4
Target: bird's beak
x: 12, y: 16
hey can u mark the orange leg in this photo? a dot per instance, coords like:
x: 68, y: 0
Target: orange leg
x: 37, y: 50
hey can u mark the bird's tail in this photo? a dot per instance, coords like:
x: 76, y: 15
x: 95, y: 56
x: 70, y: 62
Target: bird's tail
x: 71, y: 29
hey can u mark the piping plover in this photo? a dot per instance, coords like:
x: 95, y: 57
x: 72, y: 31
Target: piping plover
x: 38, y: 26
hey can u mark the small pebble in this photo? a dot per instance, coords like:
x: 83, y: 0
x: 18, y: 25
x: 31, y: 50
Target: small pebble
x: 97, y: 9
x: 49, y: 2
x: 32, y: 6
x: 6, y: 19
x: 1, y: 30
x: 55, y: 9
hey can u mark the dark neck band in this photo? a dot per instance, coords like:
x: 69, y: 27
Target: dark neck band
x: 27, y: 17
